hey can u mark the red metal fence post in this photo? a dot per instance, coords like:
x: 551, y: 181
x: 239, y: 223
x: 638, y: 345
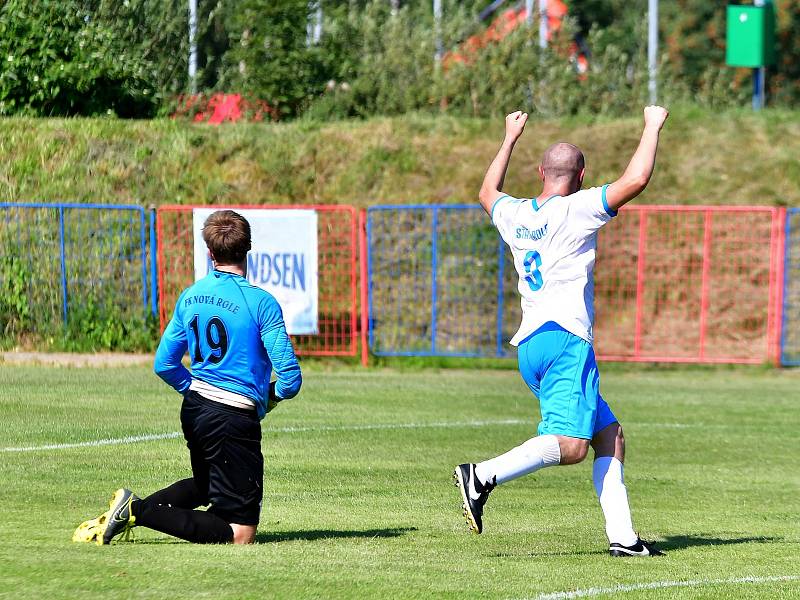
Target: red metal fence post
x: 362, y: 257
x: 640, y: 277
x: 777, y: 263
x: 705, y: 282
x: 781, y: 274
x: 162, y: 309
x: 354, y: 235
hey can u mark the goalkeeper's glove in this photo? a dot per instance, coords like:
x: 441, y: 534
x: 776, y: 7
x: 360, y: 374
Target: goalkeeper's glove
x: 272, y: 400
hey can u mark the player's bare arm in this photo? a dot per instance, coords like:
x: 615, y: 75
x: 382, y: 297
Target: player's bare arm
x: 492, y: 186
x: 640, y: 169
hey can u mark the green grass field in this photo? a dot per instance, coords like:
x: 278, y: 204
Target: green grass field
x: 359, y: 500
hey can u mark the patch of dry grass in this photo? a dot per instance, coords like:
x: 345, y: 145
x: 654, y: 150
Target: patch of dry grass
x: 731, y: 158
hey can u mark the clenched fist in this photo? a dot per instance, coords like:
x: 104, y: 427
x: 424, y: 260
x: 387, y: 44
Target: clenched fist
x: 515, y: 124
x: 654, y: 116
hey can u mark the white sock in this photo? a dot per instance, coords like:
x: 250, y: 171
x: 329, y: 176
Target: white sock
x: 609, y: 484
x: 537, y: 453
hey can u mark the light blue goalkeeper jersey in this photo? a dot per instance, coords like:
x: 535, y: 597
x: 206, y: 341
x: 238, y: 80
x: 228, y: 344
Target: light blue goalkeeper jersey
x: 236, y: 337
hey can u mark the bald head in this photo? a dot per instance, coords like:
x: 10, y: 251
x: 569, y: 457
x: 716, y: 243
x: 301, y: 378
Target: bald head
x: 562, y: 161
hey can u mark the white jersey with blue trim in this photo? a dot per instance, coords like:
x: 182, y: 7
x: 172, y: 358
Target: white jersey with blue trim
x: 553, y: 242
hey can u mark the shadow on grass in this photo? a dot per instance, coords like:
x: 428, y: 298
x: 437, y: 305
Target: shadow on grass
x: 322, y: 534
x: 679, y: 542
x: 668, y: 543
x: 549, y: 554
x: 291, y: 536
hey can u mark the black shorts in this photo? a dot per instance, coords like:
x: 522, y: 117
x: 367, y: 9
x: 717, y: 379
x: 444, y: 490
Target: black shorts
x: 225, y: 449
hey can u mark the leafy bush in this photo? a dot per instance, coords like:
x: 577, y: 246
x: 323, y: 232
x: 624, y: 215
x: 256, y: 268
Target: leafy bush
x: 15, y: 313
x: 268, y: 56
x: 89, y: 57
x: 57, y: 60
x: 390, y: 68
x: 99, y: 324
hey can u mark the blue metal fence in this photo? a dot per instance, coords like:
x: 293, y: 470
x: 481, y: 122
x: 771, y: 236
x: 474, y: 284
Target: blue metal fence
x: 790, y: 329
x: 59, y: 259
x: 436, y: 282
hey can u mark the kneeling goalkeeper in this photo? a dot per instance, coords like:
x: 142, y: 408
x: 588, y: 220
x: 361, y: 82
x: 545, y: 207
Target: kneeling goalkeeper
x: 235, y: 335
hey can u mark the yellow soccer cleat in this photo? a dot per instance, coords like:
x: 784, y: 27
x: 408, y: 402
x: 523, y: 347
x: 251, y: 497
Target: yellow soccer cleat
x: 117, y: 520
x: 91, y: 530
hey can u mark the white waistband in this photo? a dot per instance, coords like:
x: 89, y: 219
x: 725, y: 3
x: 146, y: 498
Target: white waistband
x: 212, y: 392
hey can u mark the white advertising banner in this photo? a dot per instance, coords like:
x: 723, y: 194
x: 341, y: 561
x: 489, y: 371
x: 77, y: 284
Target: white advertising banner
x: 282, y: 260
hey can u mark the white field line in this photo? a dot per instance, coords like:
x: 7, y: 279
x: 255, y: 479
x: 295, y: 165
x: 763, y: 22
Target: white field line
x: 659, y: 585
x: 132, y: 439
x: 322, y: 428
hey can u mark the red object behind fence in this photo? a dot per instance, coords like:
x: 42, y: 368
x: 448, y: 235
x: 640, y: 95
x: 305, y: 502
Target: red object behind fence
x: 337, y: 267
x: 690, y: 284
x: 504, y: 25
x: 219, y: 108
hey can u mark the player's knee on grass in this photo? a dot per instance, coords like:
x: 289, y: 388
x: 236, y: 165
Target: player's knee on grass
x: 243, y: 534
x: 573, y: 450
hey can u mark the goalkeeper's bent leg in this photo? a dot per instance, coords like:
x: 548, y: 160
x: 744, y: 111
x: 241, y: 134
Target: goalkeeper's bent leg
x: 197, y: 526
x: 181, y: 494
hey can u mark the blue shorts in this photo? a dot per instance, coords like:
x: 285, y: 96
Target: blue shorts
x: 560, y: 369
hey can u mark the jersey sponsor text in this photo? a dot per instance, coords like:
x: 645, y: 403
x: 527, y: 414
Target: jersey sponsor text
x: 523, y: 233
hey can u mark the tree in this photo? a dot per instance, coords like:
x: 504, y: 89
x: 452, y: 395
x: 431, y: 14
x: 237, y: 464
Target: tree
x: 57, y: 60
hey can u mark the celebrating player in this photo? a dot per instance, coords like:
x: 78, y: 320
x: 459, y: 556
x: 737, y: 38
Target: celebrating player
x: 553, y: 239
x: 235, y: 335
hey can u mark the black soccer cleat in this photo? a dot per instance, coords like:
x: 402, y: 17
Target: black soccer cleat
x: 120, y: 519
x: 640, y: 548
x: 474, y: 494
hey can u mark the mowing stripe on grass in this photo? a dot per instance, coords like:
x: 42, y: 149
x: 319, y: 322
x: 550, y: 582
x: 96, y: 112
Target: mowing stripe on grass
x: 133, y: 439
x: 658, y: 585
x: 439, y: 425
x: 323, y: 428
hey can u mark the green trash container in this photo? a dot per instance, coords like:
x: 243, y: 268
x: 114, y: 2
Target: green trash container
x: 750, y: 36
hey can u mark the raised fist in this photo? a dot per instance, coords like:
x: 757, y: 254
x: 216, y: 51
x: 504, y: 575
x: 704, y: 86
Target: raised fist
x: 515, y: 124
x: 655, y: 116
